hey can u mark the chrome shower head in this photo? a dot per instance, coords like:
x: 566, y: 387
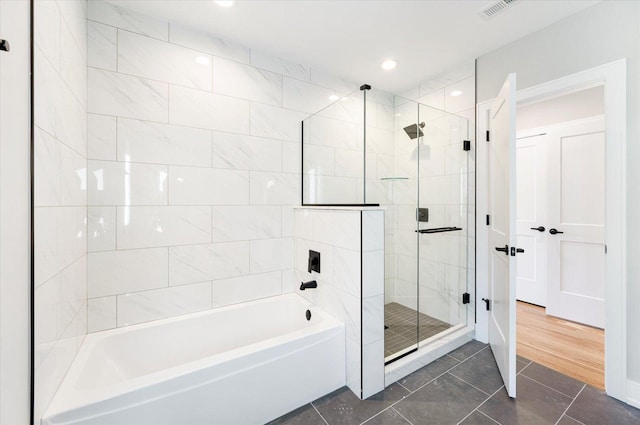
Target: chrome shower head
x: 414, y: 130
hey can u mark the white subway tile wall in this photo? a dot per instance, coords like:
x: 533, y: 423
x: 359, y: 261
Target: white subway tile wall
x: 194, y: 164
x: 60, y: 190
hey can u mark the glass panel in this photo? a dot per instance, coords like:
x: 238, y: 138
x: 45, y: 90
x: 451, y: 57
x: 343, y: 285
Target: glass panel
x: 443, y: 240
x: 332, y: 153
x: 400, y: 186
x: 379, y: 146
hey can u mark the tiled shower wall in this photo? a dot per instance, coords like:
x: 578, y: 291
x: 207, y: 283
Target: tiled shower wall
x: 60, y: 191
x: 194, y: 164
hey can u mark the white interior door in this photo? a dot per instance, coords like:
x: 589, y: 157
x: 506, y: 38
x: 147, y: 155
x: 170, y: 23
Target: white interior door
x: 531, y: 221
x: 576, y: 234
x: 501, y: 302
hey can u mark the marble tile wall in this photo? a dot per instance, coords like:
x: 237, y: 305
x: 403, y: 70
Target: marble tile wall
x: 60, y: 191
x: 446, y: 187
x: 350, y: 283
x: 193, y: 171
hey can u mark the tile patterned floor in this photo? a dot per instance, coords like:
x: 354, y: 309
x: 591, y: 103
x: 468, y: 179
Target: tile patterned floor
x: 402, y: 330
x: 464, y: 387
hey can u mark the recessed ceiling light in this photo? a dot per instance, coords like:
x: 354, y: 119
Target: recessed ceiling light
x: 455, y: 93
x: 334, y: 97
x: 389, y: 64
x: 224, y: 3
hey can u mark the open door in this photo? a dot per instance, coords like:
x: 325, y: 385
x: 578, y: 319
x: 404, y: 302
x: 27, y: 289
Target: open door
x: 501, y: 173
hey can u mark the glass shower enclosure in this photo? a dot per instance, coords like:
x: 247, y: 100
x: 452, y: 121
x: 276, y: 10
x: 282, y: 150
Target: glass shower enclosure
x: 372, y: 148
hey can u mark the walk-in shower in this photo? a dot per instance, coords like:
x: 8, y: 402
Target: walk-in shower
x: 373, y: 148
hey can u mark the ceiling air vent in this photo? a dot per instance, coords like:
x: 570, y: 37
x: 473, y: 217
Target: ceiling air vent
x: 495, y: 7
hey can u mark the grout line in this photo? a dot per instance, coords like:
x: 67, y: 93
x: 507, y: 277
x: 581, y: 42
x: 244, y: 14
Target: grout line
x: 481, y: 404
x: 572, y: 418
x: 403, y: 387
x: 396, y: 410
x: 487, y: 416
x: 551, y: 388
x: 470, y: 384
x: 319, y: 414
x: 524, y: 368
x: 570, y: 404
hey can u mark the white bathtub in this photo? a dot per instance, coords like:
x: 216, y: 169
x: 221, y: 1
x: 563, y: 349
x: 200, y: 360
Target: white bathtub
x: 244, y: 364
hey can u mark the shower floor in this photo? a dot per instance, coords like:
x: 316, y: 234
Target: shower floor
x: 401, y: 325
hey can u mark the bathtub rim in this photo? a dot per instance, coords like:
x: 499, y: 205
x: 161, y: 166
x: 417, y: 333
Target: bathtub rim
x: 68, y: 397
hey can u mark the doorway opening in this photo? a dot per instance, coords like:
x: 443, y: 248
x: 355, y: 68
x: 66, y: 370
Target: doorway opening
x: 613, y: 76
x: 560, y: 284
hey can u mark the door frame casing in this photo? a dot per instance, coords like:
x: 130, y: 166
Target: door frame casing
x: 613, y: 76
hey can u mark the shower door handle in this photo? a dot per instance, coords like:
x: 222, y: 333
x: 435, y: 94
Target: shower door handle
x: 488, y: 303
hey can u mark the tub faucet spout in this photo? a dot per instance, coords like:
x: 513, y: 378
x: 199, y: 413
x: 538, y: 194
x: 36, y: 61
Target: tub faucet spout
x: 310, y: 284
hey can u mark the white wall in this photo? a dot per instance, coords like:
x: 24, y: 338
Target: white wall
x: 570, y: 107
x: 14, y: 214
x: 60, y: 191
x: 603, y: 33
x: 194, y: 168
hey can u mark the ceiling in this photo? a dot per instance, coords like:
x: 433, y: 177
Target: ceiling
x: 350, y: 38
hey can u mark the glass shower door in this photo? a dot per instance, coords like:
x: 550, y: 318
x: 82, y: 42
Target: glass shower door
x: 443, y: 239
x: 425, y: 197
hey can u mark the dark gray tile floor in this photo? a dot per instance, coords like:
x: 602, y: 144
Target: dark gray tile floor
x: 464, y: 387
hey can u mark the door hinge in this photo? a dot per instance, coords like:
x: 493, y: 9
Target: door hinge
x: 488, y: 138
x: 466, y: 298
x: 605, y: 249
x: 466, y: 145
x: 488, y: 220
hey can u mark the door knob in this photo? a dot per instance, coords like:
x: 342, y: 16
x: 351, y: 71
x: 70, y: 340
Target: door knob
x: 515, y: 250
x: 554, y: 231
x: 505, y: 249
x: 539, y: 228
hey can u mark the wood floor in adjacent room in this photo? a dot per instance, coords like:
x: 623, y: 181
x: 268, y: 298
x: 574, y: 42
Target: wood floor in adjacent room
x: 571, y: 348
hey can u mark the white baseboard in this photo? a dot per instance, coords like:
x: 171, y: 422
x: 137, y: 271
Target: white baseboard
x: 633, y: 393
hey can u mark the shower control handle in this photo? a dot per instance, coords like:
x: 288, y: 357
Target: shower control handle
x: 554, y: 231
x: 539, y: 228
